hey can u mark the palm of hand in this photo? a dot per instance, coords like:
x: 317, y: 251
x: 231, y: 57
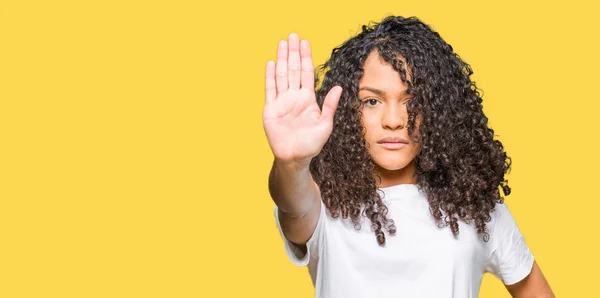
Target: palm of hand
x: 295, y: 126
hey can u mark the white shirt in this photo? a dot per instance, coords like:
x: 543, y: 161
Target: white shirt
x: 420, y: 260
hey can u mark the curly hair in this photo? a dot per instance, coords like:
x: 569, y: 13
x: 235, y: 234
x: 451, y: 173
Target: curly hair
x: 460, y: 167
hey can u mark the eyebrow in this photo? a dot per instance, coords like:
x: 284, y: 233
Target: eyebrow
x: 377, y: 91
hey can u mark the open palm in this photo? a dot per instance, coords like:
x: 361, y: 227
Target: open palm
x: 295, y: 126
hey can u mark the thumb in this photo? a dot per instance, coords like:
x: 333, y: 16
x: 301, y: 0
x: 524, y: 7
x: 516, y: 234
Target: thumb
x: 331, y: 103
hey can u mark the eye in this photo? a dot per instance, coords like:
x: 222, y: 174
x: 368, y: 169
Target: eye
x: 371, y: 102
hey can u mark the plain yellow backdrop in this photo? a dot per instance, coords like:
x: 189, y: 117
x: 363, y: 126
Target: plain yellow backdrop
x: 134, y: 164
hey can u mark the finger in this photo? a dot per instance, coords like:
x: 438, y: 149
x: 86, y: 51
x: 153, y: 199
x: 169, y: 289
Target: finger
x: 270, y: 91
x: 281, y: 72
x: 308, y: 70
x: 294, y: 61
x: 331, y: 103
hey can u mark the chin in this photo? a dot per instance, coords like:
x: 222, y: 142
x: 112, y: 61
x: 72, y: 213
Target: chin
x: 392, y: 166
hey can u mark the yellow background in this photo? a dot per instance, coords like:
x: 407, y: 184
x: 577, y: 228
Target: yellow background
x: 134, y: 164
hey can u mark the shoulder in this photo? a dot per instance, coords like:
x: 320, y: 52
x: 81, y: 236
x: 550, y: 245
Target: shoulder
x: 501, y: 214
x: 503, y: 228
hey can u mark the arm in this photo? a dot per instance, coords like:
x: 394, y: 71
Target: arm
x: 297, y: 130
x: 297, y: 196
x: 532, y: 286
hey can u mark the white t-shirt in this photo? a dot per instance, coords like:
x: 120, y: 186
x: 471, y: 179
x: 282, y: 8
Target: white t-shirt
x: 420, y: 260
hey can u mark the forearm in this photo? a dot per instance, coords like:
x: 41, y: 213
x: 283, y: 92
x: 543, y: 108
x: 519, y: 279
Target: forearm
x: 293, y: 188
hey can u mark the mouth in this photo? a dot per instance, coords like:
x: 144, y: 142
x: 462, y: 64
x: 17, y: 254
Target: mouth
x: 393, y: 142
x: 393, y: 145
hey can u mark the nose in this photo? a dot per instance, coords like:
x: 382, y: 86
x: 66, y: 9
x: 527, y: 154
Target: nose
x: 394, y: 116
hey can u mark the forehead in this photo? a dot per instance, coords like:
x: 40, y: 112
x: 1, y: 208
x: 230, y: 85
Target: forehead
x: 379, y: 74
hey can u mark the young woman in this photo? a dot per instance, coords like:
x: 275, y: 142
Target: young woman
x: 394, y: 140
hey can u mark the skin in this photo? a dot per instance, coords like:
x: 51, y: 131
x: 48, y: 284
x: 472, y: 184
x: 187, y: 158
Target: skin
x: 297, y: 130
x: 384, y: 114
x: 534, y: 285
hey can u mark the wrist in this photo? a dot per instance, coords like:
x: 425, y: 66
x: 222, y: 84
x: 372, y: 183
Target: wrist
x: 296, y: 165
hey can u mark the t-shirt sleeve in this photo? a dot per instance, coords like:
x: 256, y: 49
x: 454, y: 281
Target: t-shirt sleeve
x: 510, y: 259
x: 293, y: 252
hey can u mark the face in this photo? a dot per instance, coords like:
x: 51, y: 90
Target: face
x: 385, y: 119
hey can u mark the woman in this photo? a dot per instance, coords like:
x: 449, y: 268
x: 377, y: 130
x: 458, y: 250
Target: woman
x: 395, y: 138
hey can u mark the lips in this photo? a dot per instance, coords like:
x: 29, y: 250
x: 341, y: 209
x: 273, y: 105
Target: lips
x: 393, y: 143
x: 393, y: 140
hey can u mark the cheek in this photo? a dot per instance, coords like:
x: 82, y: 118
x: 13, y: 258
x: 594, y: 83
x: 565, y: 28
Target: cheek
x: 369, y: 127
x: 417, y: 149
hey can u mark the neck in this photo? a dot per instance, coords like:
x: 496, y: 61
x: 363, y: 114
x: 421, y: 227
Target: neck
x: 405, y: 175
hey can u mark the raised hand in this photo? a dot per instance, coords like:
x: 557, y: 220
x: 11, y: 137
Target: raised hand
x: 295, y: 126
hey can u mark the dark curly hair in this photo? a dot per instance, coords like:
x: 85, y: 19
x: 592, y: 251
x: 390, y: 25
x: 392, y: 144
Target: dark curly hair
x: 460, y: 167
